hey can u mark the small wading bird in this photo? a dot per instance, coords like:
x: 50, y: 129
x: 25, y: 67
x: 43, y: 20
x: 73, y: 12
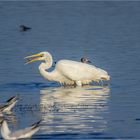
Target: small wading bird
x: 19, y: 134
x: 85, y: 60
x: 68, y: 72
x: 10, y: 103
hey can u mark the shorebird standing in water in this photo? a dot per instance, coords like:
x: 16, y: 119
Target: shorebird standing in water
x: 68, y: 72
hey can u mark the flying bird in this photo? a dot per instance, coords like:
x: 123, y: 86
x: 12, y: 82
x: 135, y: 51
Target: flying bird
x: 19, y: 134
x: 68, y: 72
x: 10, y: 103
x: 24, y: 28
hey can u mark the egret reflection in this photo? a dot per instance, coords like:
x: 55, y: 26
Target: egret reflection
x: 74, y: 109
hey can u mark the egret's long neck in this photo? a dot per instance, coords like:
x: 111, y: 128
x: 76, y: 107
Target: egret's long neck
x: 48, y: 61
x: 46, y: 65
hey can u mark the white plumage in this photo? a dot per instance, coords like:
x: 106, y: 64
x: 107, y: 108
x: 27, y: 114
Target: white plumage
x: 68, y: 72
x: 19, y: 134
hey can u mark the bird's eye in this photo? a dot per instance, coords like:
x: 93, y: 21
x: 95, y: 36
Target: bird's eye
x: 41, y: 55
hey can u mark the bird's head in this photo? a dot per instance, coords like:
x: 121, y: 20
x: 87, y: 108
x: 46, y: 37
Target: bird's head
x: 42, y: 56
x: 85, y: 60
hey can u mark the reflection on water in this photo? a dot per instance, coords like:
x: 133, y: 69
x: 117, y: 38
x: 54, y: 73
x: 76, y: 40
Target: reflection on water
x: 74, y: 109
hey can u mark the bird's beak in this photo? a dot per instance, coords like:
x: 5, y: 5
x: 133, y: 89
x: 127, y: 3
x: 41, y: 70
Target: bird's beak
x: 32, y: 58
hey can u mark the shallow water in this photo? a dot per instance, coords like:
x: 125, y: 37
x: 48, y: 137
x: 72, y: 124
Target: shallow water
x: 105, y: 32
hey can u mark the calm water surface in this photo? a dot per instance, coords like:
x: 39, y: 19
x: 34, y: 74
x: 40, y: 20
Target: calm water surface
x: 105, y: 32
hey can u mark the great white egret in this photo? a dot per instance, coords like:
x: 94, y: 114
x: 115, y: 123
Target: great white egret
x: 19, y: 134
x: 68, y: 72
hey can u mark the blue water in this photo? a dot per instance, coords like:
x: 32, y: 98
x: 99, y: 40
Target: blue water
x: 108, y: 33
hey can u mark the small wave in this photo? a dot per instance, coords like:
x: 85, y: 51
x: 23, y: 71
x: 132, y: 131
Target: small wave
x: 25, y: 86
x: 94, y: 135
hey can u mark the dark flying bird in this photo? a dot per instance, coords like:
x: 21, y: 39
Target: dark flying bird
x: 24, y: 28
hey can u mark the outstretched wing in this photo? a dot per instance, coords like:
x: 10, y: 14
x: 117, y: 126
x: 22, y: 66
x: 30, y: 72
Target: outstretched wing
x: 27, y: 132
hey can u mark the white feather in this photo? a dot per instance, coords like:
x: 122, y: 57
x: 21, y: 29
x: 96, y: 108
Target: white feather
x: 19, y: 134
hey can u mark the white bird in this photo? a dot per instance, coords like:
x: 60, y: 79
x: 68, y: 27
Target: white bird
x: 68, y: 72
x: 10, y: 103
x: 19, y: 134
